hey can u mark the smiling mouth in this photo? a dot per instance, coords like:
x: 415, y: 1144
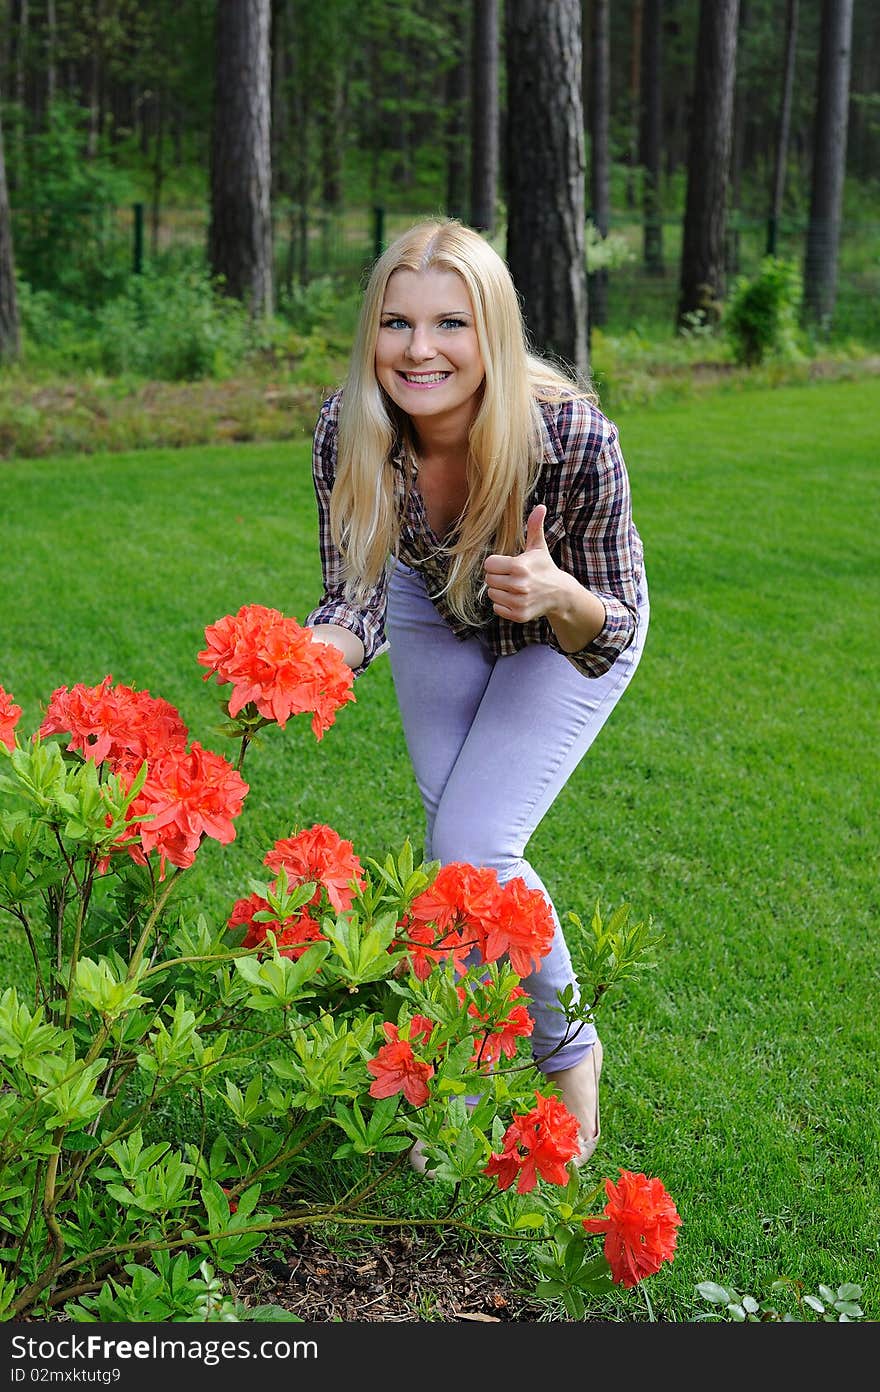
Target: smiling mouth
x: 424, y: 379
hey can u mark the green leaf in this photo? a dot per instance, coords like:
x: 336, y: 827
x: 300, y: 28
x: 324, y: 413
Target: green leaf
x: 530, y: 1220
x: 717, y: 1295
x: 79, y: 1140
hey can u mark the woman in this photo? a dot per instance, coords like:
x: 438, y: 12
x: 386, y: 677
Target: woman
x: 474, y: 507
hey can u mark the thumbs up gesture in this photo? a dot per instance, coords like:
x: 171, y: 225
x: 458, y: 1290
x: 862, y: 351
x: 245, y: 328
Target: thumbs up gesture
x: 526, y: 586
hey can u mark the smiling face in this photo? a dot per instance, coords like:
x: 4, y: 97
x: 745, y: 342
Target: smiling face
x: 427, y: 354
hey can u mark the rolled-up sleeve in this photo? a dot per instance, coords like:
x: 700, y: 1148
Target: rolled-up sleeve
x: 600, y: 546
x: 363, y: 617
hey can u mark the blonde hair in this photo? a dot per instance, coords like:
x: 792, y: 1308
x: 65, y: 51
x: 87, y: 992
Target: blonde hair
x: 505, y: 440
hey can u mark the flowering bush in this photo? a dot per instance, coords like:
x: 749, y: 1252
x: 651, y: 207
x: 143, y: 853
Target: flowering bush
x: 347, y: 1009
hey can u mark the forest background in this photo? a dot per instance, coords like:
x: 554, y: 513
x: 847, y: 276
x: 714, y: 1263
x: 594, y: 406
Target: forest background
x: 138, y: 183
x: 193, y: 193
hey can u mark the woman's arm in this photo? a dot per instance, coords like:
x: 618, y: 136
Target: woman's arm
x: 348, y: 643
x: 356, y: 628
x: 532, y: 586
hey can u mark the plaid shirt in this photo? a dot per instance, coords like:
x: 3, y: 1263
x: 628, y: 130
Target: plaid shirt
x: 588, y: 529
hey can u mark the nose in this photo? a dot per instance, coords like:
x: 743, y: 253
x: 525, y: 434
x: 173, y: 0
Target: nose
x: 420, y: 347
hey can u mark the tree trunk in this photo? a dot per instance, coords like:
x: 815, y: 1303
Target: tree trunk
x: 863, y: 150
x: 652, y: 136
x: 158, y: 173
x: 51, y: 46
x: 829, y: 162
x: 484, y: 113
x: 784, y: 124
x: 20, y: 89
x: 457, y: 94
x: 600, y: 159
x: 702, y: 259
x: 279, y: 117
x: 635, y: 98
x: 240, y: 236
x: 545, y: 164
x: 9, y: 333
x: 740, y: 112
x: 331, y: 130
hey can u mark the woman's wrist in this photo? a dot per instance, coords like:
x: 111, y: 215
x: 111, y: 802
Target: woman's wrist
x: 576, y: 615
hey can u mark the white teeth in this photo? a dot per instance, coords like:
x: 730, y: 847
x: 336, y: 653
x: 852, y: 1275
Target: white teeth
x: 426, y: 376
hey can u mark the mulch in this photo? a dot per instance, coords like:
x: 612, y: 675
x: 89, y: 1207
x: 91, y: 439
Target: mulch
x: 406, y: 1277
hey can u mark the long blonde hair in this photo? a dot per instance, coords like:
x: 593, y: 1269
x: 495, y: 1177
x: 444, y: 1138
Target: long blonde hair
x: 505, y: 440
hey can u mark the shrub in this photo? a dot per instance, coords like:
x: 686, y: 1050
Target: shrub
x: 761, y: 315
x: 348, y: 1021
x: 67, y: 239
x: 173, y: 327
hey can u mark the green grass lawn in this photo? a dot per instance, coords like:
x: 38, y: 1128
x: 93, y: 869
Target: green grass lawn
x: 733, y: 795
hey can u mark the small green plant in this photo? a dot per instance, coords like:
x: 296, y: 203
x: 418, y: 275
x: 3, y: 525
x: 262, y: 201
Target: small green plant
x: 606, y: 253
x: 761, y: 316
x: 833, y: 1307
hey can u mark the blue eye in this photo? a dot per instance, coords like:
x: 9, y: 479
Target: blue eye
x: 454, y: 324
x: 393, y: 323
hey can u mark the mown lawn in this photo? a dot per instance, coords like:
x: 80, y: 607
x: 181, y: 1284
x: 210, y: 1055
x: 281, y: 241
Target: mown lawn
x: 733, y: 795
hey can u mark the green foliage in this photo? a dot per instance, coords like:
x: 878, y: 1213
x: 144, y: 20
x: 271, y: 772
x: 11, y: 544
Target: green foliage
x: 173, y: 327
x: 606, y: 253
x: 840, y: 1306
x: 66, y: 232
x: 761, y: 315
x: 176, y: 1290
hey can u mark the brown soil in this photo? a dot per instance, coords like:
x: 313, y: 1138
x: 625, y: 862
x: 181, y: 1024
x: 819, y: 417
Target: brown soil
x: 405, y: 1278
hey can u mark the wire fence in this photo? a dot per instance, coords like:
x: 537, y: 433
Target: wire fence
x: 317, y: 244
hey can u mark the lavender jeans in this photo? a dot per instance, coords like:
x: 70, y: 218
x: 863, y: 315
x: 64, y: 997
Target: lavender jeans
x: 492, y: 742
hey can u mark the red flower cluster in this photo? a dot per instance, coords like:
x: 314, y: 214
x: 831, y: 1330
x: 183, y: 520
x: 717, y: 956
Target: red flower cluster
x: 639, y: 1225
x: 114, y: 723
x: 540, y: 1143
x: 293, y: 935
x: 397, y: 1069
x: 10, y: 714
x: 318, y: 854
x: 499, y: 1037
x: 187, y: 793
x: 465, y: 908
x: 278, y: 666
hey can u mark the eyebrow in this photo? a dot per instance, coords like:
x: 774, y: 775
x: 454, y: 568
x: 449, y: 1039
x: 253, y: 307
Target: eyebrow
x: 447, y: 314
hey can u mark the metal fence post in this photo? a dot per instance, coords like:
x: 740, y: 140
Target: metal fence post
x: 138, y: 250
x: 378, y: 231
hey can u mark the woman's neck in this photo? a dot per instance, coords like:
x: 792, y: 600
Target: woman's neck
x: 439, y: 438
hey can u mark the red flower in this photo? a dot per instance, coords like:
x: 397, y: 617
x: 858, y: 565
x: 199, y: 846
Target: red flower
x: 292, y: 935
x: 318, y: 853
x: 425, y: 948
x: 639, y: 1226
x: 470, y: 909
x: 396, y: 1069
x: 420, y: 1030
x: 540, y: 1143
x: 460, y: 895
x: 500, y: 1036
x: 278, y: 666
x: 187, y: 794
x: 521, y: 926
x: 10, y: 714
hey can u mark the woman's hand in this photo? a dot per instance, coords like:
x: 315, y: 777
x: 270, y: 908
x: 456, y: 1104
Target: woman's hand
x: 532, y: 586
